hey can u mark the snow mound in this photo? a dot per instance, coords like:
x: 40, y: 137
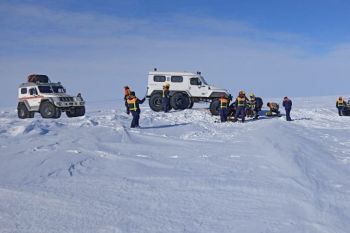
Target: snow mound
x: 180, y: 172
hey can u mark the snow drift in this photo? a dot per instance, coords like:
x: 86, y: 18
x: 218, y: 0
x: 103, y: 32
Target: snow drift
x: 181, y: 172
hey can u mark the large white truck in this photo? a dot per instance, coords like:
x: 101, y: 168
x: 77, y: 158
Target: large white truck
x: 186, y: 88
x: 49, y: 99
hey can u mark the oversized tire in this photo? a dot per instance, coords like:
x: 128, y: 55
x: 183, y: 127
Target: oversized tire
x: 214, y: 107
x: 179, y: 101
x: 48, y: 110
x: 76, y: 112
x: 155, y: 102
x: 22, y: 111
x: 191, y: 104
x: 80, y: 111
x: 57, y: 113
x: 346, y: 111
x: 70, y: 113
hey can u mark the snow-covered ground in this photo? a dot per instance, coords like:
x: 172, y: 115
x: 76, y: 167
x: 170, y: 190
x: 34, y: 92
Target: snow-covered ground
x: 181, y: 172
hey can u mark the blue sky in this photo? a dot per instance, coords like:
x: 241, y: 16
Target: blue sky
x: 274, y: 48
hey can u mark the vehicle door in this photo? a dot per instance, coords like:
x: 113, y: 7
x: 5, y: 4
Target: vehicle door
x: 197, y: 89
x: 34, y: 98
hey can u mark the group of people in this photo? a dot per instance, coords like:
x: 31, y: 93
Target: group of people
x: 244, y: 106
x: 240, y: 108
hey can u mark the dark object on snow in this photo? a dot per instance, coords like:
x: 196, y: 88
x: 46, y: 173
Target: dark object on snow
x: 33, y: 78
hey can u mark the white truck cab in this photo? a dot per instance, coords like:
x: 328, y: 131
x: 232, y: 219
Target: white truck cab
x: 186, y: 88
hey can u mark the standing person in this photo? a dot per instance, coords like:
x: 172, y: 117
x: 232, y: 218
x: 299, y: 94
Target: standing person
x: 127, y: 92
x: 134, y: 108
x: 340, y: 105
x: 287, y: 104
x: 166, y: 98
x: 224, y: 103
x: 241, y: 104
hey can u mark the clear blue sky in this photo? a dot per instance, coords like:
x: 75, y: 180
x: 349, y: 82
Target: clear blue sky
x: 273, y: 48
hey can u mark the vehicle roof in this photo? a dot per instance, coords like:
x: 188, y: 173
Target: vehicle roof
x: 184, y: 73
x: 31, y: 84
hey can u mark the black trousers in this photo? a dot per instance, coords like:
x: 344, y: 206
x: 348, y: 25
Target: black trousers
x: 135, y: 118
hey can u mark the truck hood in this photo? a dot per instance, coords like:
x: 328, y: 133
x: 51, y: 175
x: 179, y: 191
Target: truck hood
x: 217, y: 89
x: 53, y: 95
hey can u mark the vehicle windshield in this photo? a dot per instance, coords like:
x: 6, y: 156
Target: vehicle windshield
x: 51, y: 89
x: 203, y: 81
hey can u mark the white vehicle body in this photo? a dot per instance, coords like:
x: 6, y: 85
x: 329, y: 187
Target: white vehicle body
x: 193, y: 87
x: 36, y: 97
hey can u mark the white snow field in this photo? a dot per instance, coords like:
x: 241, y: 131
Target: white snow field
x: 181, y: 172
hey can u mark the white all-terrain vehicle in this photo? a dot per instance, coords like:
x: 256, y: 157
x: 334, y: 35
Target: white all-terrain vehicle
x: 39, y: 94
x: 186, y: 88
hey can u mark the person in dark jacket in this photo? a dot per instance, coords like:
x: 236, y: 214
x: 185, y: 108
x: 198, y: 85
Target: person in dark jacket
x: 166, y: 98
x: 340, y: 105
x: 241, y: 104
x: 134, y: 108
x: 126, y: 94
x: 223, y: 109
x: 287, y: 104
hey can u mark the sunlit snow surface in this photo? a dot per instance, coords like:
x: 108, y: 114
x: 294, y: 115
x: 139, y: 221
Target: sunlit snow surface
x: 181, y: 172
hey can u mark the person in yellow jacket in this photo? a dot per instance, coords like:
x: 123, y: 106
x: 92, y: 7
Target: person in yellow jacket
x: 223, y: 109
x: 134, y: 108
x: 127, y: 92
x: 241, y: 105
x: 340, y: 105
x: 274, y: 109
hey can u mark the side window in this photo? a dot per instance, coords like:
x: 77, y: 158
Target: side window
x: 33, y: 91
x: 159, y: 78
x: 177, y: 79
x: 23, y: 90
x: 195, y: 81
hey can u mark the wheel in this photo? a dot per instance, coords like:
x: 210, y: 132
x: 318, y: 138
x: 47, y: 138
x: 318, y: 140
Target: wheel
x: 80, y: 111
x: 31, y: 115
x: 179, y: 101
x: 48, y: 110
x: 22, y: 111
x: 58, y: 113
x: 214, y: 107
x: 70, y: 113
x: 346, y: 111
x: 155, y: 102
x: 191, y: 104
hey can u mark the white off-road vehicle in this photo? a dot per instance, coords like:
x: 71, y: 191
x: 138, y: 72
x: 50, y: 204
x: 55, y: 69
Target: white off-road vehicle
x: 39, y: 94
x: 186, y: 88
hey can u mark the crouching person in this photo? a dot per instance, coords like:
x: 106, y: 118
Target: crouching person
x: 134, y: 108
x: 274, y: 109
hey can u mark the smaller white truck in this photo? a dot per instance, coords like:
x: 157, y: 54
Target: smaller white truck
x: 49, y: 99
x: 186, y: 88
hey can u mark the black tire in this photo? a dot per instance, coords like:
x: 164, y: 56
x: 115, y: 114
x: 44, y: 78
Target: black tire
x: 80, y: 111
x: 31, y: 114
x: 70, y: 113
x: 214, y: 107
x: 76, y: 112
x: 155, y: 102
x: 48, y: 110
x: 58, y: 113
x: 179, y: 101
x: 191, y: 104
x: 346, y: 111
x: 22, y: 111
